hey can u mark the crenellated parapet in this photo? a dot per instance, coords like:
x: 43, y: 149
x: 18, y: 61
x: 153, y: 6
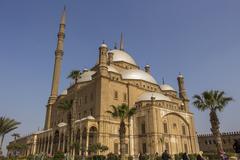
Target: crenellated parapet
x: 234, y: 133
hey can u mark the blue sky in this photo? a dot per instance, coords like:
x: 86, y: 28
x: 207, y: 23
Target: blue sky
x: 201, y: 39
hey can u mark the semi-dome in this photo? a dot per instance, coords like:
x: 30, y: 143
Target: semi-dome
x: 146, y: 96
x: 64, y: 92
x: 86, y: 76
x: 120, y: 55
x: 166, y: 87
x: 112, y: 69
x: 138, y: 74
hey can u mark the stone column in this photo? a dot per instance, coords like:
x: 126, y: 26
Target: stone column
x: 131, y: 140
x: 87, y: 142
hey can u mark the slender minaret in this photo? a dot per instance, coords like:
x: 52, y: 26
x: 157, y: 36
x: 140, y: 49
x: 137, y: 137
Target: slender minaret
x: 57, y: 69
x: 121, y: 42
x: 103, y: 49
x: 182, y: 91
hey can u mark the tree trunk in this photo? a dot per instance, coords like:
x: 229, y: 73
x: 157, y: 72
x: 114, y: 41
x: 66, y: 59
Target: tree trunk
x: 215, y: 130
x: 1, y: 144
x: 76, y: 79
x: 122, y: 132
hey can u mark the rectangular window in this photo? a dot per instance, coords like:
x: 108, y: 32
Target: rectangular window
x: 116, y: 148
x: 186, y: 148
x: 166, y: 146
x: 91, y: 96
x: 115, y: 95
x: 214, y: 141
x: 206, y: 142
x: 165, y: 129
x: 126, y: 148
x: 210, y: 142
x: 124, y: 97
x: 183, y: 130
x: 80, y: 101
x: 91, y: 111
x: 143, y: 128
x: 144, y: 148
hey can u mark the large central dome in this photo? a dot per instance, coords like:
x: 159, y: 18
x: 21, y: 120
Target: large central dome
x: 120, y: 55
x: 138, y: 74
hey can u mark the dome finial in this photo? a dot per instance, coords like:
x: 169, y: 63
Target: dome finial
x: 115, y: 45
x: 121, y: 42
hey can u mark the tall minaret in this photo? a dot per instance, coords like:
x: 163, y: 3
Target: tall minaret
x: 57, y: 69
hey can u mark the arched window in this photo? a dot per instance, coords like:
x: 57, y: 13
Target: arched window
x: 84, y: 140
x: 183, y: 130
x: 61, y: 141
x: 92, y: 136
x: 77, y: 145
x: 165, y: 128
x: 50, y: 143
x: 55, y: 141
x: 46, y: 144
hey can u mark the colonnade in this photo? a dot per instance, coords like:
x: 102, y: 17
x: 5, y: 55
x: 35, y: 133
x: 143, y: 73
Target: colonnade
x: 60, y: 140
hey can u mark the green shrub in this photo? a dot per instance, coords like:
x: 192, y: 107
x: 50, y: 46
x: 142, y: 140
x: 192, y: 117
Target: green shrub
x: 58, y: 156
x: 30, y: 157
x: 158, y: 158
x: 192, y: 156
x: 112, y: 156
x: 98, y: 157
x: 130, y: 157
x: 211, y: 156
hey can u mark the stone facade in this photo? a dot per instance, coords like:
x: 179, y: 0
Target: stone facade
x: 163, y: 120
x: 207, y: 142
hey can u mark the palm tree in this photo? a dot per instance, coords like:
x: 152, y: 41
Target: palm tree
x: 122, y: 112
x: 214, y: 101
x: 15, y: 136
x: 66, y: 106
x: 75, y: 75
x: 6, y: 126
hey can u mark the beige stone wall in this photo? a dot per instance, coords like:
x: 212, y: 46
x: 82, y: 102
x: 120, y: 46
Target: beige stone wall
x: 207, y: 142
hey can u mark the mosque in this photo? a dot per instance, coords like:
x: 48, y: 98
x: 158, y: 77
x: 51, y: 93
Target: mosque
x: 163, y: 120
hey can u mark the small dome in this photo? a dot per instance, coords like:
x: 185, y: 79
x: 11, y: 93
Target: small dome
x: 119, y: 55
x: 147, y: 96
x: 104, y: 45
x: 166, y: 87
x: 86, y: 76
x: 138, y: 74
x: 180, y: 75
x: 64, y: 92
x: 112, y: 69
x: 88, y: 117
x: 62, y: 124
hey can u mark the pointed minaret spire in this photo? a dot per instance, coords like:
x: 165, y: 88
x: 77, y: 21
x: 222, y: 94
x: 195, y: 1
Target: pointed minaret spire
x: 56, y: 71
x: 63, y: 18
x: 121, y: 42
